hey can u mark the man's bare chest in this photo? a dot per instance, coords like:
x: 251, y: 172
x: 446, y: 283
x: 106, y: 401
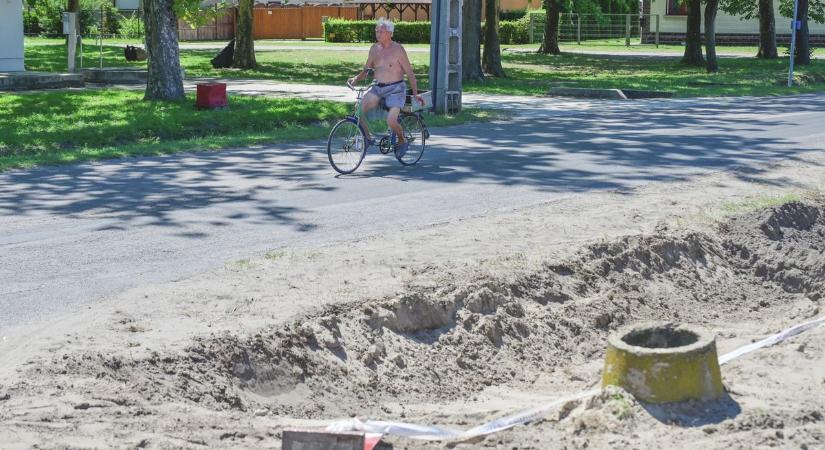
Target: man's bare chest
x: 387, y: 58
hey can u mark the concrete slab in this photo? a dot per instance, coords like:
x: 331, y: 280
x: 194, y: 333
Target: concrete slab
x: 118, y: 75
x: 634, y: 94
x: 614, y: 94
x: 22, y: 81
x: 314, y: 439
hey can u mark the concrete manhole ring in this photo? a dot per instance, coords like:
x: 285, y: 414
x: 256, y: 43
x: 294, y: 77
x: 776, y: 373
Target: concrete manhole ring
x: 662, y: 362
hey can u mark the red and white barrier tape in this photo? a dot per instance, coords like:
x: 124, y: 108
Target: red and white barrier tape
x: 428, y: 433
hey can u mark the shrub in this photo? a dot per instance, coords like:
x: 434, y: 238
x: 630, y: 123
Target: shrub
x: 511, y: 15
x: 30, y: 23
x: 49, y: 16
x: 131, y: 27
x: 341, y: 30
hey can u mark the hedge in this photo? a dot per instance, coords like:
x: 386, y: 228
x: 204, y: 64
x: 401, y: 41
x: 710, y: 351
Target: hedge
x: 341, y: 30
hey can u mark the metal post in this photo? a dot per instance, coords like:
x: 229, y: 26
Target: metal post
x: 100, y: 39
x: 657, y: 31
x: 532, y: 33
x: 794, y: 26
x: 70, y: 29
x: 627, y: 30
x: 578, y: 29
x: 438, y: 56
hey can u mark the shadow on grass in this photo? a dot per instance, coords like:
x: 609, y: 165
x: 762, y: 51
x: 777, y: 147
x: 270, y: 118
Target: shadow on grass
x: 53, y: 58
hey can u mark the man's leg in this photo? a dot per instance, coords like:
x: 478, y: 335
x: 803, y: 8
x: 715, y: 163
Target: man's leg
x: 370, y: 101
x: 392, y: 122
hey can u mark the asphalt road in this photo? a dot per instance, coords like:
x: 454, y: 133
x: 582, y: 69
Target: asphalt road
x: 72, y: 235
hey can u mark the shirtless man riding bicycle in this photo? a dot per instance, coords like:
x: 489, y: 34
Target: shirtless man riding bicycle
x: 390, y: 63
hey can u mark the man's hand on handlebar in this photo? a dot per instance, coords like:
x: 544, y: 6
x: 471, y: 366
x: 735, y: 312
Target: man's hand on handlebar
x: 419, y: 98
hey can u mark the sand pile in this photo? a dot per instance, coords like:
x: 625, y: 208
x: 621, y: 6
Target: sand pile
x: 449, y: 343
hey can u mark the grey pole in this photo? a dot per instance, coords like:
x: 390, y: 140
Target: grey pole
x: 70, y: 29
x: 445, y: 55
x: 627, y: 30
x: 657, y: 31
x: 579, y: 29
x: 794, y: 27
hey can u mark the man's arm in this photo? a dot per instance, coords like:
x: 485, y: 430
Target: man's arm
x: 408, y: 70
x: 370, y: 62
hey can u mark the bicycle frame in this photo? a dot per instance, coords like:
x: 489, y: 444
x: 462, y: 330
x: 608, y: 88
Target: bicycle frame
x: 359, y: 96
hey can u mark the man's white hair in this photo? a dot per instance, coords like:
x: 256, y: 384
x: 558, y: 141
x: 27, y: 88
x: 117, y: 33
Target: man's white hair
x: 387, y: 24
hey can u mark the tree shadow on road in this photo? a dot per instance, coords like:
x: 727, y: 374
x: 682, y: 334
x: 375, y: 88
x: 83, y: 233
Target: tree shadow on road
x: 557, y: 147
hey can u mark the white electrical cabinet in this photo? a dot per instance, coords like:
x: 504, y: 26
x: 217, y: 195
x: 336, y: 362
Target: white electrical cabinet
x: 11, y: 36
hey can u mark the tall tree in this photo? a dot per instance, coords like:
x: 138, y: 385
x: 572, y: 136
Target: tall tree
x: 808, y: 9
x: 244, y: 57
x: 762, y: 9
x: 491, y: 58
x: 550, y: 43
x: 711, y: 7
x: 803, y: 54
x: 160, y: 22
x: 693, y: 34
x: 471, y: 41
x: 767, y: 31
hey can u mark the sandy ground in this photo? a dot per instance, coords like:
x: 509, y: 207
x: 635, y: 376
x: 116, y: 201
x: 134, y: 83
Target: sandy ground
x: 453, y: 325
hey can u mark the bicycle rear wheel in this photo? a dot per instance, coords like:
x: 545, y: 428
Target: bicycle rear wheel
x: 415, y: 132
x: 346, y: 146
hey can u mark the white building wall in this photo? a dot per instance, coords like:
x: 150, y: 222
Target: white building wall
x: 127, y: 4
x: 725, y: 23
x: 11, y: 35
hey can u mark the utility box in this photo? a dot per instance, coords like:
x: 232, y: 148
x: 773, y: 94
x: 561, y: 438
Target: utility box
x: 69, y: 23
x: 11, y: 36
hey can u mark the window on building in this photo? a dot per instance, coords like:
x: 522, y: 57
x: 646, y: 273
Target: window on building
x: 676, y: 8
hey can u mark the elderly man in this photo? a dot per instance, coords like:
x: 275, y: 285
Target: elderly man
x: 389, y: 62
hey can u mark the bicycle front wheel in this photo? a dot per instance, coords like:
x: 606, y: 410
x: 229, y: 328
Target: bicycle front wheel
x: 346, y: 146
x: 415, y: 134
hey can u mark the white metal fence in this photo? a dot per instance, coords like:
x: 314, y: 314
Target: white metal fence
x: 616, y: 29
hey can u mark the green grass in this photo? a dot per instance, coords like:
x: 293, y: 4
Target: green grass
x: 534, y: 74
x: 529, y: 73
x: 49, y: 57
x: 62, y: 127
x: 618, y: 46
x: 761, y: 202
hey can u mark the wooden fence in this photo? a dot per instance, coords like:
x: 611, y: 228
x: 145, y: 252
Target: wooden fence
x: 297, y: 23
x: 222, y: 28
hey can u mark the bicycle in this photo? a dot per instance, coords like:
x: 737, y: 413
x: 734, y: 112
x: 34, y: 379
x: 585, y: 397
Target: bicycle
x: 347, y: 143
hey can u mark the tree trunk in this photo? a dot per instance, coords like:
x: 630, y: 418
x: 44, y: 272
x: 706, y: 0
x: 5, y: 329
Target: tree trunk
x: 471, y: 41
x: 710, y: 35
x: 803, y: 48
x: 244, y: 57
x: 693, y: 34
x: 550, y: 43
x: 767, y: 31
x: 73, y: 6
x: 491, y: 58
x: 162, y: 54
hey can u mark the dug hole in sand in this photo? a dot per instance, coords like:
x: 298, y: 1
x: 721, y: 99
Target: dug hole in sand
x: 229, y: 360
